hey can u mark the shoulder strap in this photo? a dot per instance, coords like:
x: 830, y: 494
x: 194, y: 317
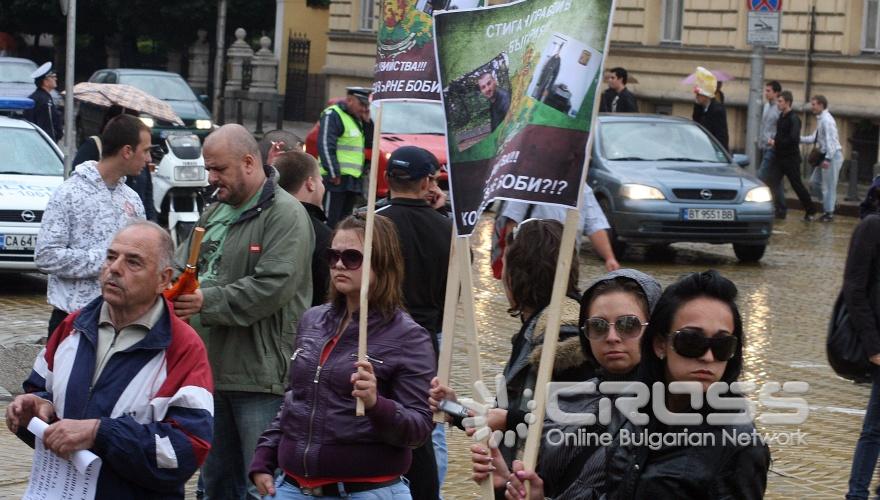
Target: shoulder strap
x: 97, y: 140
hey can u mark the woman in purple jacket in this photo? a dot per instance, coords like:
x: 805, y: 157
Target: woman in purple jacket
x: 317, y: 441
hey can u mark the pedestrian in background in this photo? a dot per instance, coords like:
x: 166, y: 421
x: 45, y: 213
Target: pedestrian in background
x: 708, y: 112
x: 341, y: 143
x: 861, y: 294
x: 769, y: 117
x: 787, y: 155
x: 617, y: 98
x: 825, y: 175
x: 85, y: 212
x: 256, y: 281
x: 45, y: 114
x: 142, y: 183
x: 125, y: 378
x: 321, y: 446
x: 299, y: 175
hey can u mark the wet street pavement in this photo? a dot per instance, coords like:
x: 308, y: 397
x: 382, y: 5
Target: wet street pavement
x: 785, y: 301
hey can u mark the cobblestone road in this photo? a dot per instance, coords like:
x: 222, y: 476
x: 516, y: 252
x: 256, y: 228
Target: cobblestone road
x: 785, y: 300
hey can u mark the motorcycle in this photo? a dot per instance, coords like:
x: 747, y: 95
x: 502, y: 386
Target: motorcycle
x: 179, y: 183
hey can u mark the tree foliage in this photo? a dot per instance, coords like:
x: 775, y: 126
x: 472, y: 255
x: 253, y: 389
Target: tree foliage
x: 170, y: 22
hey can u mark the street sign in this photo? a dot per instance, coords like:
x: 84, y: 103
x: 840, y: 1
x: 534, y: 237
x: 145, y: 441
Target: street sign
x: 765, y: 5
x: 764, y: 19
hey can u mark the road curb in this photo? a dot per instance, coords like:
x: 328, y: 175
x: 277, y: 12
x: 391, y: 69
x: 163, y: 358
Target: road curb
x: 4, y: 394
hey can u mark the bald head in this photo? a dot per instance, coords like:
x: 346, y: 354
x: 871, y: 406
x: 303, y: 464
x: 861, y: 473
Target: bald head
x: 237, y: 140
x: 234, y: 164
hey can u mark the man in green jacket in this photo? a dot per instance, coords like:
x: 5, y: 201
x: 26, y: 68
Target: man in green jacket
x: 255, y: 276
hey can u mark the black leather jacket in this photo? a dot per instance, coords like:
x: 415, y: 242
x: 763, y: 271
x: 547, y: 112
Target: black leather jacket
x: 724, y: 471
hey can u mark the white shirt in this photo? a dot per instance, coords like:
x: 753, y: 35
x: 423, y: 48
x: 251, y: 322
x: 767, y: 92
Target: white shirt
x: 80, y: 220
x: 825, y: 135
x: 592, y: 218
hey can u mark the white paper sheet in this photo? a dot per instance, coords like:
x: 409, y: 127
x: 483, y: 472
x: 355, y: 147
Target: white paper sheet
x: 53, y: 477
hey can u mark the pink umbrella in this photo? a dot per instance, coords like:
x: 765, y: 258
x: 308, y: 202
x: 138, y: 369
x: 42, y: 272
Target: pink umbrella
x: 721, y: 76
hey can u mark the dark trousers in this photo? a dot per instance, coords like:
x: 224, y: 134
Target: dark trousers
x: 790, y: 167
x: 339, y: 205
x: 54, y: 320
x: 868, y: 446
x: 422, y: 474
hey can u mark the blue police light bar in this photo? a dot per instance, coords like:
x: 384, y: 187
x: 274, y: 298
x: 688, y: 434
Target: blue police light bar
x: 16, y: 103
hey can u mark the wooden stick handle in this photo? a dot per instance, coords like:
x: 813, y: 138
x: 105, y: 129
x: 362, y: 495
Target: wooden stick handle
x: 453, y: 284
x: 195, y: 246
x: 368, y: 250
x: 465, y: 269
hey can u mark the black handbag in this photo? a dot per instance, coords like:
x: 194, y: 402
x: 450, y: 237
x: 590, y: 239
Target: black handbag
x: 846, y: 355
x: 816, y: 156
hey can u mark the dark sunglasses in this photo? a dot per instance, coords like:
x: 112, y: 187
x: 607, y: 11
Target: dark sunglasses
x: 627, y: 327
x: 351, y: 259
x: 693, y: 343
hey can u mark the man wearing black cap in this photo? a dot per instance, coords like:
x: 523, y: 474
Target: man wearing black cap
x: 341, y: 142
x: 45, y: 114
x: 425, y: 237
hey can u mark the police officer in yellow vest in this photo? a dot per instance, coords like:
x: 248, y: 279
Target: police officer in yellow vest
x: 341, y: 142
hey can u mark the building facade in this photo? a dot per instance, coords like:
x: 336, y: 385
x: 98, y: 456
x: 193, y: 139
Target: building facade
x: 660, y: 42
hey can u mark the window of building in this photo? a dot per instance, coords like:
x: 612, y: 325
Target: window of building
x: 672, y: 14
x: 368, y: 15
x: 871, y: 28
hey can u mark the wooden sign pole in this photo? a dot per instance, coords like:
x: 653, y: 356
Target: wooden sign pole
x: 368, y: 249
x: 551, y: 335
x: 465, y: 269
x: 450, y: 306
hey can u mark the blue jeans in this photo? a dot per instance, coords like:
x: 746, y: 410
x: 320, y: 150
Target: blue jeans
x: 441, y: 453
x: 764, y: 174
x: 824, y: 181
x: 397, y: 491
x: 239, y: 420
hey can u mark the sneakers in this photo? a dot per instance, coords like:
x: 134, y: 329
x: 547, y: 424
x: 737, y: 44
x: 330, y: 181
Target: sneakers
x: 827, y: 217
x: 809, y: 218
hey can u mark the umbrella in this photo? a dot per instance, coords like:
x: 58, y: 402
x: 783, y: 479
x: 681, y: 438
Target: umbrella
x: 126, y: 96
x: 721, y: 76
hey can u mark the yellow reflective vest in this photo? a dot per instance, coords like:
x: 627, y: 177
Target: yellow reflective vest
x: 349, y: 145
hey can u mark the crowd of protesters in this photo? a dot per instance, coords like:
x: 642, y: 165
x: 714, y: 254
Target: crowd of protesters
x: 253, y: 377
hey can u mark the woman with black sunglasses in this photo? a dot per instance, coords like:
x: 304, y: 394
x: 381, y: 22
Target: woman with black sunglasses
x: 614, y: 312
x: 694, y: 335
x: 316, y: 440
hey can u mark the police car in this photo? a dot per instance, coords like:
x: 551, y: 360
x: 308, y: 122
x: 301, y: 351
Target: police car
x: 31, y: 167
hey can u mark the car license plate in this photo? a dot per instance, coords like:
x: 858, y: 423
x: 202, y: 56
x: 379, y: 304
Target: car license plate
x: 711, y: 214
x: 18, y: 241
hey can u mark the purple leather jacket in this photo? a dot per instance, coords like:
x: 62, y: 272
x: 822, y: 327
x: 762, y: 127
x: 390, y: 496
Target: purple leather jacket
x: 316, y: 432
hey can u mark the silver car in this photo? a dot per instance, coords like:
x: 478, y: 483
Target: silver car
x: 662, y: 179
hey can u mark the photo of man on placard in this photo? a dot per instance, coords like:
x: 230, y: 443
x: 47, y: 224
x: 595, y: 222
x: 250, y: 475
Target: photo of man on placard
x: 478, y: 102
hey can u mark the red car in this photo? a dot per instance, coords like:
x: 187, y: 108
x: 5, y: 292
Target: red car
x: 404, y: 123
